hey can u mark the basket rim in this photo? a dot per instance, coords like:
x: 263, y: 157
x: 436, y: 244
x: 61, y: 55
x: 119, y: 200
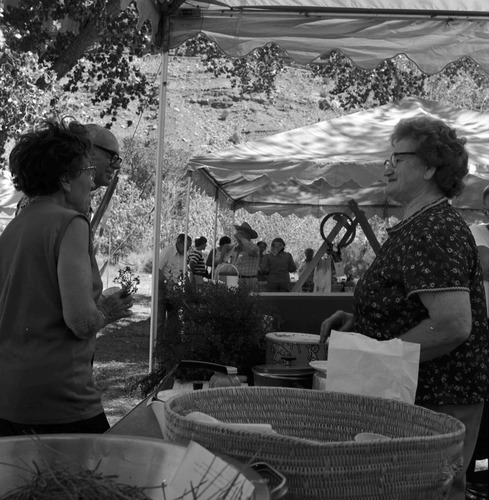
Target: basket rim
x: 459, y: 428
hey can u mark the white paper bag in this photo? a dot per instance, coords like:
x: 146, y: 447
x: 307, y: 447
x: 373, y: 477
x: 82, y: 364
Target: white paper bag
x: 360, y: 365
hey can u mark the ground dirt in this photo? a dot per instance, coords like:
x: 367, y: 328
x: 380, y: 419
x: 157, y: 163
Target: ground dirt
x: 122, y: 356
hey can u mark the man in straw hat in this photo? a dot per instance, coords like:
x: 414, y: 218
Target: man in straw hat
x: 244, y: 254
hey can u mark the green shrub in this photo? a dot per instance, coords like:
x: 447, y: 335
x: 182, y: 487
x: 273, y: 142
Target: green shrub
x: 215, y: 324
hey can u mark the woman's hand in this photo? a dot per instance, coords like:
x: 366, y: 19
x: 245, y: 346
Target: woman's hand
x: 115, y: 306
x: 340, y: 320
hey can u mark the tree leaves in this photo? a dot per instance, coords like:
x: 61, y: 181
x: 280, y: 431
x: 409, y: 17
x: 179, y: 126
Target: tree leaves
x: 255, y: 73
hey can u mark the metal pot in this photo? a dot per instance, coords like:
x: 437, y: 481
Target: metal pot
x: 134, y: 461
x: 283, y: 376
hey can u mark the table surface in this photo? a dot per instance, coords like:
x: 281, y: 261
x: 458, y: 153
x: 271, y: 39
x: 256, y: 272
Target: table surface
x: 141, y: 420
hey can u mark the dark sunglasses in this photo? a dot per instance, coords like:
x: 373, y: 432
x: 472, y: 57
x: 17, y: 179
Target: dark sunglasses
x: 115, y: 159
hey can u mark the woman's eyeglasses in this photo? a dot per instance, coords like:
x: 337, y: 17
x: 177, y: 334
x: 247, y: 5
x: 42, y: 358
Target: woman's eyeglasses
x: 92, y: 171
x: 115, y: 159
x: 394, y: 160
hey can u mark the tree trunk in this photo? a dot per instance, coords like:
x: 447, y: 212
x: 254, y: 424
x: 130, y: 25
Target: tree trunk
x: 88, y: 34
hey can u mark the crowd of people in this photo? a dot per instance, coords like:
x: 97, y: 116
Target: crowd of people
x: 428, y: 283
x: 251, y: 263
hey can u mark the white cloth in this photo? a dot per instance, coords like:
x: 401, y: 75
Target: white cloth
x: 171, y: 262
x: 481, y: 236
x: 322, y: 276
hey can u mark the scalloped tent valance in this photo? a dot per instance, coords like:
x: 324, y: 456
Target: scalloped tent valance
x: 317, y: 169
x: 432, y: 33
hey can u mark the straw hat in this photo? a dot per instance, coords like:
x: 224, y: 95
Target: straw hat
x: 246, y: 228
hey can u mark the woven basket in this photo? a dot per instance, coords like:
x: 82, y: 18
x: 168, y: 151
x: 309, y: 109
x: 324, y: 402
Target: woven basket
x: 314, y: 443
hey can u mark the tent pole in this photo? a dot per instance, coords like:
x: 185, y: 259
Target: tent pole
x: 213, y: 269
x: 187, y: 218
x: 157, y: 216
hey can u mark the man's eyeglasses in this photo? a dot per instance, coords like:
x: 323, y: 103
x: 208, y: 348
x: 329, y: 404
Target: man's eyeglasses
x: 394, y: 160
x: 92, y: 171
x: 115, y: 159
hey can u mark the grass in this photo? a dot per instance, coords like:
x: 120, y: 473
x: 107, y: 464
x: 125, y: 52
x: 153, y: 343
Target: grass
x: 122, y: 356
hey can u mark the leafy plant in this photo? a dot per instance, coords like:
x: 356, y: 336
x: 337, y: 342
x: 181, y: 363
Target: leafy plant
x: 127, y: 280
x: 212, y: 323
x: 255, y: 73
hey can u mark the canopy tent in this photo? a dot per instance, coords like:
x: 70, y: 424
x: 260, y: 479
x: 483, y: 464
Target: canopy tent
x: 432, y: 33
x: 317, y: 169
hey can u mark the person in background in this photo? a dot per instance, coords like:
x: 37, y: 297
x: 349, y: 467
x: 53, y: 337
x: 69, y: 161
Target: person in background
x: 277, y: 266
x: 262, y: 278
x: 104, y: 155
x: 481, y: 237
x: 51, y: 305
x: 244, y: 254
x: 172, y: 267
x: 308, y: 285
x: 196, y: 262
x: 425, y: 284
x: 215, y: 254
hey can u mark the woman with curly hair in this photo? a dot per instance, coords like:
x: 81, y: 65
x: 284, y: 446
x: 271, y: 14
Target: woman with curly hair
x: 51, y: 306
x: 425, y: 284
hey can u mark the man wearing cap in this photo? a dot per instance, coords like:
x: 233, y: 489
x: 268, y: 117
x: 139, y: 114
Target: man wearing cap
x: 244, y: 254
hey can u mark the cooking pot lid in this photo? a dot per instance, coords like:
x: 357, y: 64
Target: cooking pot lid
x: 283, y: 371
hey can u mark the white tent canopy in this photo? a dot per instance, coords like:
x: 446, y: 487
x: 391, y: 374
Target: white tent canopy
x: 317, y: 169
x: 432, y: 33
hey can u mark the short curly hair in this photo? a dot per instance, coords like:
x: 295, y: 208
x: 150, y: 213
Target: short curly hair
x: 42, y: 156
x: 438, y: 147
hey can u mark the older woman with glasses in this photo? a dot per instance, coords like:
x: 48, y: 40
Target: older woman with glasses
x: 51, y: 306
x: 425, y: 285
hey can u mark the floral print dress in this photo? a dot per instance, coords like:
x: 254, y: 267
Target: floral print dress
x: 431, y: 251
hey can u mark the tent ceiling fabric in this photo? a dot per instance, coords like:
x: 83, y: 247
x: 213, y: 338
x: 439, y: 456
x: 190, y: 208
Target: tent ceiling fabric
x: 432, y: 33
x: 317, y: 169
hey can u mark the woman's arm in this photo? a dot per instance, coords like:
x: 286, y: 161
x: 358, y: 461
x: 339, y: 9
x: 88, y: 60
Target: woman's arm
x: 340, y: 321
x: 448, y: 326
x: 80, y: 311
